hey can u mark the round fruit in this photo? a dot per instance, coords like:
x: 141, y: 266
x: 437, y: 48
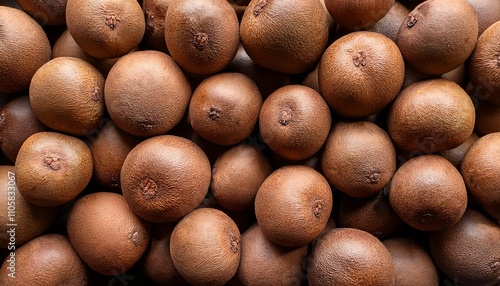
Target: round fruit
x: 357, y: 15
x: 488, y: 12
x: 155, y: 12
x: 390, y: 23
x: 52, y: 12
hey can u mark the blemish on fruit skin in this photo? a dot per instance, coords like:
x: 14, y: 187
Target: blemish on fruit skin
x: 150, y: 23
x: 111, y: 21
x: 95, y: 93
x: 257, y: 9
x: 214, y: 113
x: 374, y: 177
x: 134, y: 237
x: 52, y: 161
x: 413, y: 18
x: 149, y: 188
x: 285, y: 116
x: 235, y: 244
x: 495, y: 266
x: 360, y: 59
x: 317, y: 208
x: 200, y: 40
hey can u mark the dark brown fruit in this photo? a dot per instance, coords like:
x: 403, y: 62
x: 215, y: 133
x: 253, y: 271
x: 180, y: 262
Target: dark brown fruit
x: 294, y: 122
x: 106, y: 233
x: 202, y: 36
x: 224, y: 108
x: 487, y: 118
x: 456, y: 155
x: 45, y: 260
x: 428, y: 193
x: 105, y: 28
x: 390, y: 23
x: 480, y: 170
x: 430, y: 44
x: 17, y: 123
x: 357, y: 15
x: 359, y: 158
x: 285, y: 36
x: 66, y: 94
x: 431, y: 116
x: 165, y: 177
x: 346, y: 256
x: 488, y: 12
x: 51, y: 12
x: 154, y: 13
x: 360, y: 74
x: 266, y: 263
x: 412, y: 263
x: 149, y: 104
x: 52, y: 168
x: 237, y: 175
x: 205, y: 247
x: 293, y: 205
x: 25, y: 48
x: 469, y: 252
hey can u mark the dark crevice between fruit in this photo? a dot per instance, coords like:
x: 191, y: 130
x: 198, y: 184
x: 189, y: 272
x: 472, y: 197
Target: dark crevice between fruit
x: 149, y: 188
x: 285, y: 116
x: 259, y: 7
x: 52, y: 161
x: 111, y: 21
x: 214, y: 113
x: 200, y: 40
x: 317, y: 208
x: 2, y: 120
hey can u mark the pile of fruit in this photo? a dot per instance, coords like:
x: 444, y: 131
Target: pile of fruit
x: 262, y: 142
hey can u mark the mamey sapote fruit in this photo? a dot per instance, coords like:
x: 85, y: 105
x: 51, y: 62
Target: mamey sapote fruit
x: 360, y: 74
x: 357, y: 15
x: 347, y: 256
x: 155, y: 12
x: 432, y: 46
x: 285, y: 36
x: 390, y: 23
x: 165, y: 177
x: 25, y: 48
x: 428, y: 193
x: 52, y: 12
x: 293, y: 205
x: 205, y: 247
x: 488, y: 12
x: 105, y: 28
x: 106, y: 233
x: 52, y: 168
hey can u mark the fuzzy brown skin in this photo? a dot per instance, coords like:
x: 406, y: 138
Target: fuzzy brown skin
x: 357, y: 15
x: 428, y: 193
x: 202, y: 36
x: 165, y: 177
x: 456, y: 155
x: 480, y: 169
x: 147, y: 93
x: 359, y: 158
x: 63, y: 105
x: 155, y: 12
x: 487, y: 119
x: 488, y: 12
x: 484, y: 65
x: 412, y: 263
x: 237, y: 175
x: 52, y: 168
x: 31, y: 220
x: 17, y: 123
x: 25, y: 48
x: 469, y: 253
x: 265, y: 263
x: 106, y: 233
x: 285, y: 36
x: 346, y: 256
x: 431, y: 116
x: 206, y: 247
x: 293, y: 205
x: 430, y: 45
x: 225, y: 107
x: 295, y: 121
x: 46, y: 260
x: 52, y: 12
x: 390, y: 23
x: 360, y: 73
x: 106, y: 28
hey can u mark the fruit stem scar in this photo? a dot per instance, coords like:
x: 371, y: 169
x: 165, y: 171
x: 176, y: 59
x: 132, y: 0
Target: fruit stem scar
x: 214, y: 113
x: 95, y: 91
x: 134, y: 237
x: 285, y: 116
x: 111, y: 21
x: 374, y: 178
x: 149, y: 188
x: 257, y: 9
x: 52, y: 161
x: 234, y: 244
x: 200, y: 40
x: 318, y: 206
x: 359, y: 59
x: 413, y: 18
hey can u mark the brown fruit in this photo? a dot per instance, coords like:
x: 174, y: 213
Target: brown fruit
x: 346, y: 256
x: 488, y: 12
x: 294, y: 122
x: 149, y: 104
x: 432, y: 46
x: 456, y: 155
x: 224, y: 108
x: 431, y: 116
x: 360, y: 74
x: 357, y: 15
x: 359, y: 158
x: 205, y: 247
x: 487, y: 118
x: 52, y: 168
x: 66, y: 94
x: 285, y: 36
x: 106, y: 233
x: 25, y: 48
x: 469, y: 252
x: 293, y: 205
x: 202, y: 36
x: 105, y: 28
x: 428, y: 193
x: 52, y: 12
x: 165, y: 177
x: 155, y: 12
x: 390, y: 23
x: 46, y: 260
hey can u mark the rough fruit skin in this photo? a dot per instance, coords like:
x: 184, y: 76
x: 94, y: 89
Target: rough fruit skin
x: 356, y: 15
x: 284, y: 36
x: 428, y: 193
x: 25, y: 48
x: 469, y: 253
x: 360, y: 73
x: 51, y: 12
x: 106, y: 233
x: 205, y: 247
x: 347, y: 256
x: 435, y: 38
x: 293, y: 205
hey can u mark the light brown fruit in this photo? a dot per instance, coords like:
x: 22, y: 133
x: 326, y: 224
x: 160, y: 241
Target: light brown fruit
x: 357, y: 15
x: 51, y: 12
